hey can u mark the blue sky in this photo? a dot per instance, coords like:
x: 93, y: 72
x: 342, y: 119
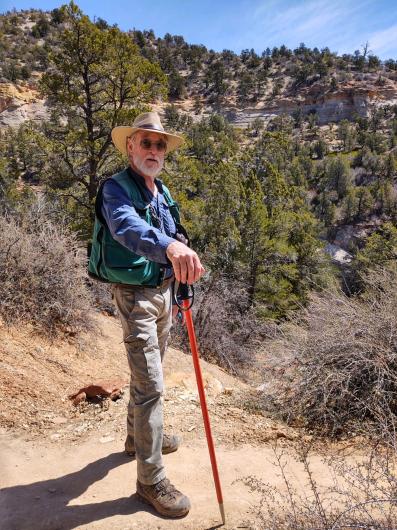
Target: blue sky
x: 342, y: 25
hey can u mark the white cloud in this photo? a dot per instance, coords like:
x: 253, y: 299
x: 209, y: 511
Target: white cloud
x: 324, y: 22
x: 384, y: 41
x: 317, y: 23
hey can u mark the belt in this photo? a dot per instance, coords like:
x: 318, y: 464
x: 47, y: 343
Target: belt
x: 163, y: 285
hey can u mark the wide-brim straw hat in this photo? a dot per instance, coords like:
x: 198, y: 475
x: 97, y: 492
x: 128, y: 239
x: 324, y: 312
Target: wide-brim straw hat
x: 147, y: 121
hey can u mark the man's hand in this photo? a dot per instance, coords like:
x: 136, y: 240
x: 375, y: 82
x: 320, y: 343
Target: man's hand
x: 187, y: 265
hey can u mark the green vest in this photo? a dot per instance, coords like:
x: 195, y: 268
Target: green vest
x: 112, y: 262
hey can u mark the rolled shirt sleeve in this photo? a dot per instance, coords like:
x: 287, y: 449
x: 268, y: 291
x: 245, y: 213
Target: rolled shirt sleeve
x: 130, y: 230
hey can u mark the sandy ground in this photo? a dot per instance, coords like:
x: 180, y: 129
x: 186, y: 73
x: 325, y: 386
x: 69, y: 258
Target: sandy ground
x: 63, y: 467
x: 91, y: 485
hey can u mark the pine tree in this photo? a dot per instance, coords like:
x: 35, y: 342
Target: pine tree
x: 365, y: 202
x: 338, y: 176
x: 256, y: 245
x: 380, y: 250
x: 222, y: 215
x: 97, y: 80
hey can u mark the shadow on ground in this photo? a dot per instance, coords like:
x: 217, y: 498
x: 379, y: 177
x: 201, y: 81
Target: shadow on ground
x: 44, y: 505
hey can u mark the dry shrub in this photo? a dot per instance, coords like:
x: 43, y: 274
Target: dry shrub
x: 227, y: 332
x: 338, y: 372
x: 42, y: 275
x: 102, y: 296
x: 362, y: 494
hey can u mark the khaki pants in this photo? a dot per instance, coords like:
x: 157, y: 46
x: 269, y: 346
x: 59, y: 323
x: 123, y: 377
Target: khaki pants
x: 146, y: 319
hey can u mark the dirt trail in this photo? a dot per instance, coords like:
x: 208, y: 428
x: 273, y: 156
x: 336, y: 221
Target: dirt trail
x: 91, y: 485
x: 63, y: 467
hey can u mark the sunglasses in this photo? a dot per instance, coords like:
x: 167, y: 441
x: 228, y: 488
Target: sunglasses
x: 147, y: 144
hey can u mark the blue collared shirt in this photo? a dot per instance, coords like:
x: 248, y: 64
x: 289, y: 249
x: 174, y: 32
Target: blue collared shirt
x: 133, y: 232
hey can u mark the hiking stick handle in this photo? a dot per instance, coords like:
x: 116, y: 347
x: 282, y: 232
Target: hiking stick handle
x: 181, y: 292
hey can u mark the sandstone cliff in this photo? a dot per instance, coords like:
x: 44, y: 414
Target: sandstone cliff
x: 19, y: 103
x: 354, y: 98
x: 357, y: 97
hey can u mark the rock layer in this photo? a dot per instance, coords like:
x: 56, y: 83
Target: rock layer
x: 19, y: 103
x: 355, y: 98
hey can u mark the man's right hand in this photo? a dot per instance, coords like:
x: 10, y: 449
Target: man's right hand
x: 187, y: 265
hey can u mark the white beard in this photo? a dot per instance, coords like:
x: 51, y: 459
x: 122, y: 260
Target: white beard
x: 143, y: 169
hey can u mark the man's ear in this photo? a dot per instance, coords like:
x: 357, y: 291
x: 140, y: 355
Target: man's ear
x: 129, y: 146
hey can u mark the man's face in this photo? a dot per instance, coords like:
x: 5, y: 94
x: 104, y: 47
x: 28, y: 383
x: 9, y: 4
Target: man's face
x: 146, y: 153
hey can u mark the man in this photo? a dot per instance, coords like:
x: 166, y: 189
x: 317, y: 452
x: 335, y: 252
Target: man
x: 137, y: 245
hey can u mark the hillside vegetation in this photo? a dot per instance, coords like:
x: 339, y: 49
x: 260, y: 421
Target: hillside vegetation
x: 193, y: 71
x: 287, y: 182
x: 264, y: 204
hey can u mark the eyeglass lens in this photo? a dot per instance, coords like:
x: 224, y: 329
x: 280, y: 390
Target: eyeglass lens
x: 147, y: 144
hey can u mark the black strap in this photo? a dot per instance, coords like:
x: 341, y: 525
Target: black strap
x: 181, y: 292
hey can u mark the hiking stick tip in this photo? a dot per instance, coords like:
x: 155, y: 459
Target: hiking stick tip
x: 222, y: 510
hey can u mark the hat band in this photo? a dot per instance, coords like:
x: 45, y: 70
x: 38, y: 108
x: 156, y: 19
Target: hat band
x: 150, y: 127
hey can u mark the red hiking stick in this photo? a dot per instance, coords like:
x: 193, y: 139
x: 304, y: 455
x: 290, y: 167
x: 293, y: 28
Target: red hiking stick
x: 187, y: 301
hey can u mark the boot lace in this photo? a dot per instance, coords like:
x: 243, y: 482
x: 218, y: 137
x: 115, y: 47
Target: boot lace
x: 165, y: 488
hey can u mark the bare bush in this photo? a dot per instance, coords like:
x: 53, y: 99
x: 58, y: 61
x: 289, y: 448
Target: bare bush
x: 338, y: 372
x: 228, y: 333
x: 42, y: 275
x: 102, y: 296
x: 362, y: 495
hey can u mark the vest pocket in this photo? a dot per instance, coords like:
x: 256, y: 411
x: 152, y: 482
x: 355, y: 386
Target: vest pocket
x: 123, y: 266
x: 118, y: 257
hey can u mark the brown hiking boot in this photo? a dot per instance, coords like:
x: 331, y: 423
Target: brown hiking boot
x: 164, y: 498
x: 170, y: 444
